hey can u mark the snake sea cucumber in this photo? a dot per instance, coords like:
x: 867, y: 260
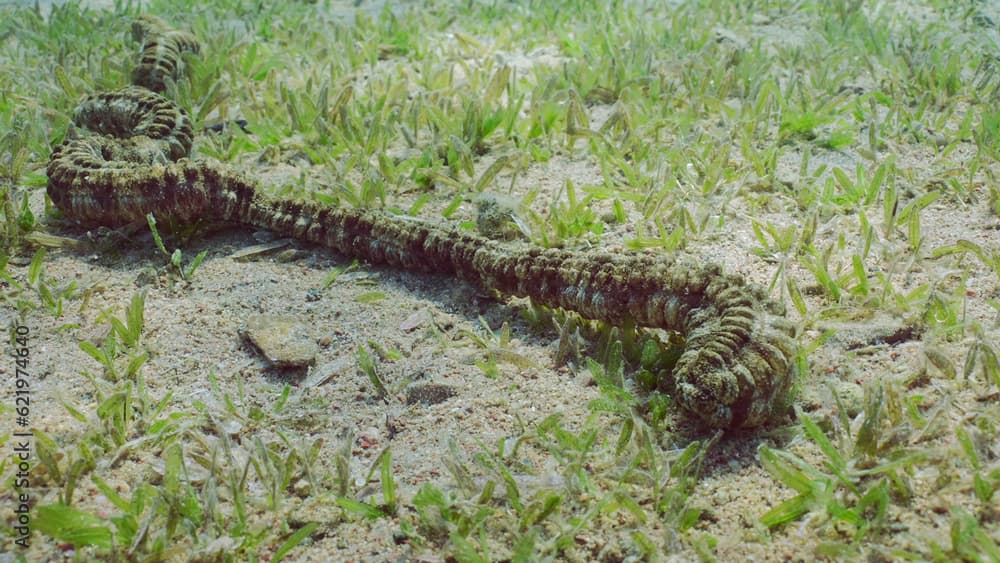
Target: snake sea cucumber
x: 738, y: 362
x: 162, y: 48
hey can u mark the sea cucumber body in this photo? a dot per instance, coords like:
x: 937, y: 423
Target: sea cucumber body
x: 162, y: 48
x: 738, y: 363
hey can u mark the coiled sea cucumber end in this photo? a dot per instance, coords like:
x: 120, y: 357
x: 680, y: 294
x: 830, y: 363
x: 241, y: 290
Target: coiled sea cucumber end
x: 747, y: 388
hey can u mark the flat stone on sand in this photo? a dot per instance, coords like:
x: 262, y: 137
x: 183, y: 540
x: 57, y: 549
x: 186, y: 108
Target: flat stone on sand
x: 284, y: 341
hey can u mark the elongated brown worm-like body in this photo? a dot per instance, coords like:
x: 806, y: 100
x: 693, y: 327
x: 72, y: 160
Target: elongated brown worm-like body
x: 738, y: 363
